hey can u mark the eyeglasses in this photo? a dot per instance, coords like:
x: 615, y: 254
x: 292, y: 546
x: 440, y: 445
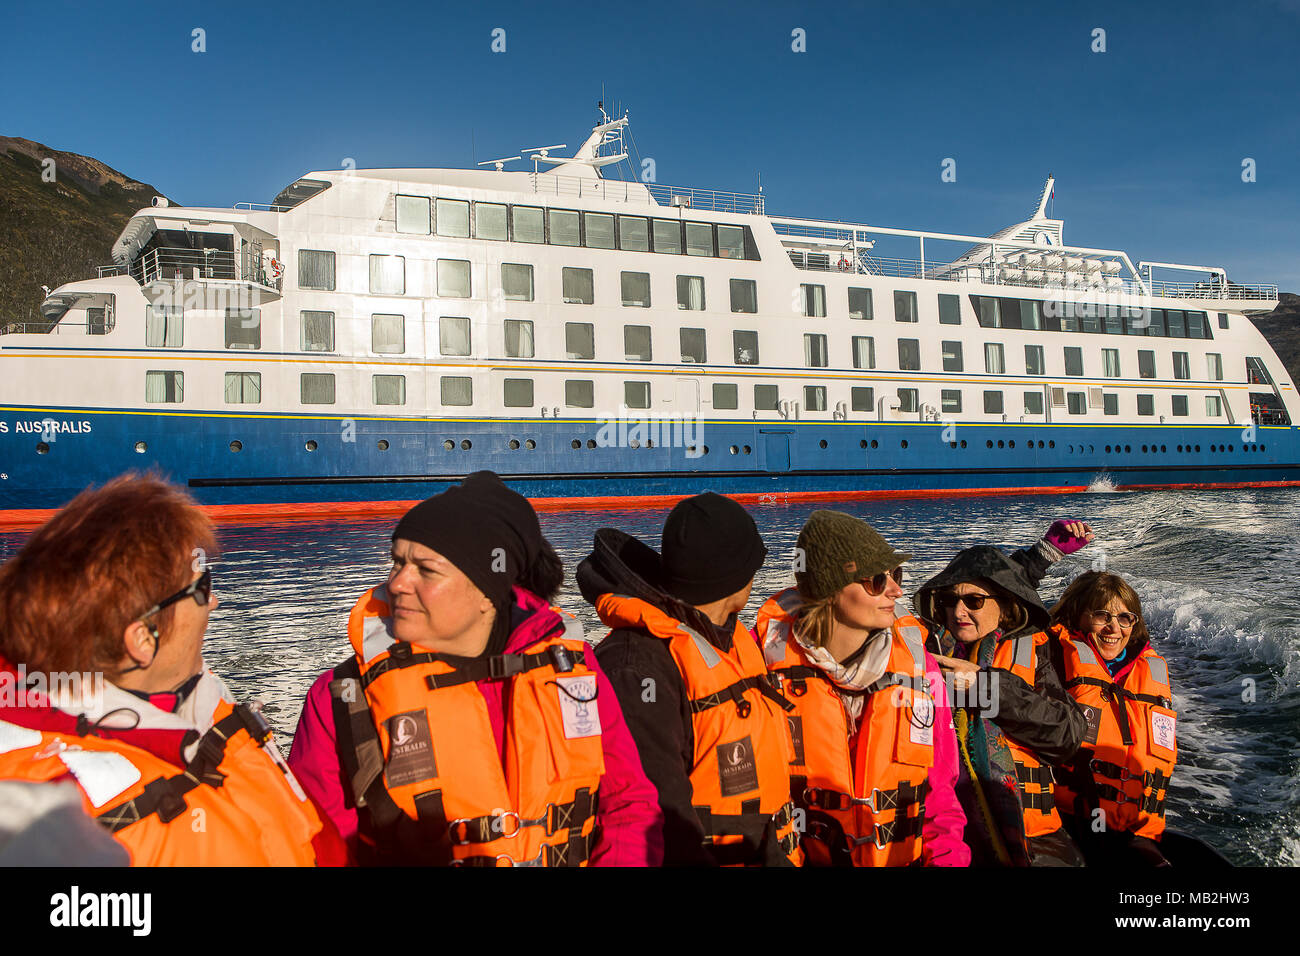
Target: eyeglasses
x: 200, y: 590
x: 973, y: 601
x: 876, y: 585
x: 1124, y: 619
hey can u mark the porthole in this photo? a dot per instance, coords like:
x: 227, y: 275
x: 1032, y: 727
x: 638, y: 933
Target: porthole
x: 734, y: 450
x: 1261, y: 447
x: 952, y: 444
x: 1092, y: 449
x: 1229, y: 448
x: 140, y: 447
x: 1070, y: 449
x: 1128, y: 449
x: 311, y: 444
x: 1198, y: 448
x: 528, y: 443
x: 989, y: 443
x: 466, y: 444
x: 1144, y: 448
x: 1180, y: 448
x: 382, y: 444
x: 1162, y: 449
x: 874, y: 443
x: 863, y: 443
x: 903, y: 443
x: 634, y: 443
x: 999, y: 442
x: 706, y: 449
x: 822, y: 443
x: 1108, y: 449
x: 649, y: 442
x: 1011, y: 443
x: 692, y: 451
x: 1051, y: 443
x: 963, y: 443
x: 575, y: 444
x: 448, y: 444
x: 42, y: 448
x: 748, y: 450
x: 591, y: 443
x: 514, y: 444
x: 236, y: 446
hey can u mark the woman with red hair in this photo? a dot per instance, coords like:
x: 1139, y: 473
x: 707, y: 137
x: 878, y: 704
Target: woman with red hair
x: 102, y: 617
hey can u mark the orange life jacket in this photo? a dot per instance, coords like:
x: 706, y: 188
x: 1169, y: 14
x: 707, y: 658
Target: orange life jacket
x: 235, y: 804
x: 1037, y: 785
x: 740, y: 778
x: 864, y: 792
x: 1130, y: 749
x: 422, y: 760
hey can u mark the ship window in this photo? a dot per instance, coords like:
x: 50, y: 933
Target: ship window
x: 457, y: 390
x: 726, y: 395
x: 864, y: 351
x: 950, y: 399
x: 164, y: 387
x: 453, y: 335
x: 1214, y: 366
x: 517, y: 282
x: 518, y: 392
x: 813, y: 299
x: 1035, y: 364
x: 1073, y: 360
x: 1031, y: 314
x: 814, y: 398
x: 1180, y: 405
x: 987, y: 312
x: 731, y: 242
x: 564, y: 227
x: 860, y: 306
x: 1110, y: 363
x: 863, y: 398
x: 579, y: 393
x: 1152, y: 321
x: 952, y: 356
x: 992, y: 403
x: 316, y: 388
x: 1177, y: 323
x: 1146, y: 363
x: 995, y: 362
x: 1091, y: 318
x: 315, y: 270
x: 909, y: 355
x: 1070, y: 317
x: 814, y: 351
x: 905, y: 306
x: 243, y: 328
x: 388, y: 334
x: 693, y: 343
x: 636, y: 394
x: 699, y: 239
x: 1010, y: 311
x: 453, y: 218
x: 1198, y: 326
x: 744, y: 295
x: 636, y: 289
x: 599, y: 230
x: 1077, y: 402
x: 413, y: 215
x: 578, y: 285
x: 490, y: 220
x: 690, y: 292
x: 949, y: 309
x: 636, y: 343
x: 907, y: 400
x: 243, y: 388
x: 633, y: 234
x: 528, y: 225
x: 766, y: 398
x: 579, y: 340
x: 1146, y: 405
x: 1114, y: 324
x: 453, y: 278
x: 389, y: 389
x: 1182, y: 368
x: 164, y: 326
x: 668, y: 236
x: 1223, y: 320
x: 317, y: 331
x: 1033, y: 403
x: 519, y: 338
x: 388, y: 275
x: 1110, y: 403
x: 1213, y: 406
x: 746, y: 347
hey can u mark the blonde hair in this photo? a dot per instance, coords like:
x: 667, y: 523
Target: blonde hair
x: 814, y: 621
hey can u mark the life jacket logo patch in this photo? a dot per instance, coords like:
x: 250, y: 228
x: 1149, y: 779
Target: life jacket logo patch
x: 410, y: 749
x: 103, y: 775
x: 796, y: 736
x: 1093, y: 716
x: 1162, y: 730
x: 737, y: 769
x: 578, y: 706
x: 921, y: 725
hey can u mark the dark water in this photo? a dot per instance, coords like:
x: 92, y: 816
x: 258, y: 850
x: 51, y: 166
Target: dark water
x: 1215, y: 571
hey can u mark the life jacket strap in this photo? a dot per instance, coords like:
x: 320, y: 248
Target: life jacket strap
x: 1043, y: 802
x: 895, y: 831
x: 569, y: 816
x: 735, y: 693
x: 1153, y: 803
x: 760, y: 844
x: 573, y: 853
x: 898, y: 799
x: 1041, y: 775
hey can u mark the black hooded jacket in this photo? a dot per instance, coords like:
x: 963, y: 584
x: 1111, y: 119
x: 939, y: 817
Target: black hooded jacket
x: 658, y: 713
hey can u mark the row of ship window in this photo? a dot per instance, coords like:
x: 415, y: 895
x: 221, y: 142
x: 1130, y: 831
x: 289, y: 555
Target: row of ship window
x: 164, y: 328
x: 318, y: 388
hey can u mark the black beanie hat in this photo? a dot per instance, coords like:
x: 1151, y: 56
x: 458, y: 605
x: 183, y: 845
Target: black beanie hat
x: 711, y: 548
x: 482, y: 527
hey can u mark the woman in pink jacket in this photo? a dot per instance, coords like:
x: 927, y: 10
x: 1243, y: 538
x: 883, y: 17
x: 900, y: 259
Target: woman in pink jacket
x: 472, y: 725
x: 875, y: 754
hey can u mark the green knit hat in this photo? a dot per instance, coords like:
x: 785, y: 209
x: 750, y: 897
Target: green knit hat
x: 839, y: 549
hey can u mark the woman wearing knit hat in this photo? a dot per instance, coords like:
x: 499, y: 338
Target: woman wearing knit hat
x: 709, y: 727
x: 472, y: 724
x: 875, y: 756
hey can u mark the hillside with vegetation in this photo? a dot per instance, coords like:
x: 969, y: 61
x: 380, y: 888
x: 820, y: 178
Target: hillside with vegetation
x: 1282, y: 329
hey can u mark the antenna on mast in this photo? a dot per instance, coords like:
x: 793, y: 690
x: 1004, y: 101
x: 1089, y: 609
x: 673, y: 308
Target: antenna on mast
x: 499, y: 163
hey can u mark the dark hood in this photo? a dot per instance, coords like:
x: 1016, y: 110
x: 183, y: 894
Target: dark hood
x: 622, y: 564
x: 988, y: 564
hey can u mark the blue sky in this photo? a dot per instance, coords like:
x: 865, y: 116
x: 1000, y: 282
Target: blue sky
x: 1146, y: 139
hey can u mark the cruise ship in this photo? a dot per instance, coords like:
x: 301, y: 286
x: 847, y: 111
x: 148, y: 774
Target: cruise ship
x: 373, y: 335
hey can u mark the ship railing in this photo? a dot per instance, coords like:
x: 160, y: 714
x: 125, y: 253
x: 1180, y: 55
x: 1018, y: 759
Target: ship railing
x: 104, y: 323
x: 262, y: 207
x: 180, y: 263
x: 104, y: 272
x: 689, y: 197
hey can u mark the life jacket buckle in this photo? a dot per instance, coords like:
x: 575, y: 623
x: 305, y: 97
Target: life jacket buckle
x: 561, y: 659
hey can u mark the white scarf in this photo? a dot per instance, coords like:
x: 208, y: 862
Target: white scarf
x: 863, y: 672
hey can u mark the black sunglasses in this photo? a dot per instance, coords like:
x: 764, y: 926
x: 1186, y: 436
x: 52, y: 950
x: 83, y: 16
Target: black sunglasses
x: 200, y: 590
x: 973, y: 601
x: 876, y: 585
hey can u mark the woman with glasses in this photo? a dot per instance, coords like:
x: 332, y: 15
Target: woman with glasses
x: 102, y: 618
x: 875, y: 757
x: 1112, y: 793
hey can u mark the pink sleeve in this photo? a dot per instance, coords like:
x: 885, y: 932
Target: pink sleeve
x: 630, y: 821
x: 315, y: 762
x: 945, y: 821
